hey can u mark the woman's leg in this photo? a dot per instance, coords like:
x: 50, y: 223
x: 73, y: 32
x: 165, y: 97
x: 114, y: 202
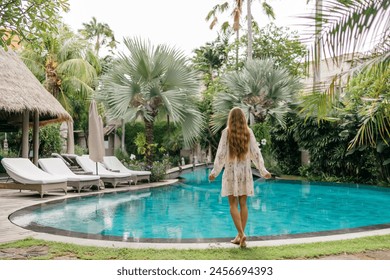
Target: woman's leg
x: 243, y: 210
x: 233, y: 202
x: 243, y: 216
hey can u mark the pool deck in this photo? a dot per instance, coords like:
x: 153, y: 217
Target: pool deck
x: 13, y: 200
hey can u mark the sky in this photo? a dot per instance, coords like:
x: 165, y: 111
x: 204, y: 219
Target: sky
x: 178, y: 23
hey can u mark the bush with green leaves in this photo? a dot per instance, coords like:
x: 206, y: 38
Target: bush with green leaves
x: 263, y: 137
x: 50, y: 140
x: 167, y: 139
x: 159, y: 170
x: 284, y: 147
x: 78, y: 150
x: 329, y: 155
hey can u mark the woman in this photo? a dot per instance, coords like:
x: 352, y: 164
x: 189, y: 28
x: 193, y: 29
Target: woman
x: 236, y: 149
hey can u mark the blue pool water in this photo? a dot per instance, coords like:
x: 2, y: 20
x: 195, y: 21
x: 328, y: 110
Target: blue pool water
x: 194, y: 210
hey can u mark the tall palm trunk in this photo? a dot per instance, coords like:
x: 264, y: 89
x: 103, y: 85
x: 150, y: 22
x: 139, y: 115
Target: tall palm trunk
x: 317, y: 46
x: 149, y: 126
x: 237, y: 47
x: 250, y: 33
x: 52, y: 81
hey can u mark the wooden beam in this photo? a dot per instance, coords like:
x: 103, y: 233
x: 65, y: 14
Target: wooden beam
x: 36, y: 138
x: 25, y: 125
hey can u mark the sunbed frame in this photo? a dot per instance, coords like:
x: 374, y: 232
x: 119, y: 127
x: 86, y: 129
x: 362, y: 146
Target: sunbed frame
x: 40, y: 188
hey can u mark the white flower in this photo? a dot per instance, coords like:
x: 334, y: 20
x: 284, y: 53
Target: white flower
x: 132, y: 157
x: 263, y: 142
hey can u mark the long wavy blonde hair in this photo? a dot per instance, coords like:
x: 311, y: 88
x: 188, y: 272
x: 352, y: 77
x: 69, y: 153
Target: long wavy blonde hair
x: 237, y: 134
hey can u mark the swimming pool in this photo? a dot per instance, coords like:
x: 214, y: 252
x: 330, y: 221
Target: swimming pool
x: 194, y: 211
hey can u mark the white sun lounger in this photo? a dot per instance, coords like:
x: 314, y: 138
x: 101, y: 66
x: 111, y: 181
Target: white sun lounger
x: 106, y: 176
x: 27, y: 176
x: 113, y: 163
x: 57, y: 166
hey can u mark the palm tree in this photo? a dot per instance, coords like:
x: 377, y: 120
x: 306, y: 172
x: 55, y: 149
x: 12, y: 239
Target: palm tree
x: 152, y: 82
x: 347, y: 27
x: 237, y: 15
x: 101, y: 33
x: 211, y: 57
x: 64, y: 64
x: 268, y: 10
x: 260, y: 89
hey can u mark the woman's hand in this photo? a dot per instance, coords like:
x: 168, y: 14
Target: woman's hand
x: 211, y: 177
x: 267, y: 175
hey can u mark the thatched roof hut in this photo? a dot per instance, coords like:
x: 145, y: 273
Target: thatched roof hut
x: 23, y: 100
x: 20, y: 90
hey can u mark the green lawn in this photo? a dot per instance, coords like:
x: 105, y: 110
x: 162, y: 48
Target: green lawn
x: 300, y: 251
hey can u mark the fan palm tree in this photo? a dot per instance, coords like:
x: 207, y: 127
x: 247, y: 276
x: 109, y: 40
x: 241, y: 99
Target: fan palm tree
x: 152, y: 82
x: 260, y: 89
x: 100, y: 33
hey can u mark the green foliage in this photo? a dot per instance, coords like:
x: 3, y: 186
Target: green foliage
x: 282, y: 45
x: 66, y: 66
x: 50, y: 140
x: 260, y: 89
x: 329, y: 157
x: 100, y: 34
x: 122, y: 156
x: 159, y: 170
x: 366, y: 115
x: 211, y: 57
x: 78, y: 150
x: 263, y: 137
x: 140, y: 142
x: 347, y: 26
x: 368, y: 96
x: 284, y: 148
x: 2, y: 170
x: 262, y: 134
x: 131, y: 131
x: 167, y: 139
x: 143, y: 147
x: 209, y: 138
x: 28, y: 20
x: 150, y: 82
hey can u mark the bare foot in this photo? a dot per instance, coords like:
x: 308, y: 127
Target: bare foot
x: 243, y: 242
x: 236, y: 240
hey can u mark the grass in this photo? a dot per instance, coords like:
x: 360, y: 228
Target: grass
x: 298, y: 251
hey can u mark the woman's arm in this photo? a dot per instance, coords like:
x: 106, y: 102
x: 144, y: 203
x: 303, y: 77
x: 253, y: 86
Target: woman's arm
x: 220, y: 157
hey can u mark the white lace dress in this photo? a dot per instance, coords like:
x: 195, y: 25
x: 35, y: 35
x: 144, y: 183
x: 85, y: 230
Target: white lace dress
x: 237, y: 177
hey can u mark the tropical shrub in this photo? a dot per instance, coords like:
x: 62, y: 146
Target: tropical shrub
x: 263, y: 137
x: 329, y: 155
x: 159, y: 170
x: 285, y: 149
x: 78, y: 150
x: 50, y: 140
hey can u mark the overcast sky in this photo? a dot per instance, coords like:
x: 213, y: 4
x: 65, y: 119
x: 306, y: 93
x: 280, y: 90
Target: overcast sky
x: 179, y: 23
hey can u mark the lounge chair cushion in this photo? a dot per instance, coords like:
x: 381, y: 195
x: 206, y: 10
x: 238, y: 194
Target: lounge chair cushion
x: 113, y: 163
x: 22, y: 170
x: 57, y: 166
x: 90, y: 166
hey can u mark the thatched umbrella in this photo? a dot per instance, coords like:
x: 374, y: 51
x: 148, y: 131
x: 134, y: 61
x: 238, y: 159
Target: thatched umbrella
x: 23, y: 99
